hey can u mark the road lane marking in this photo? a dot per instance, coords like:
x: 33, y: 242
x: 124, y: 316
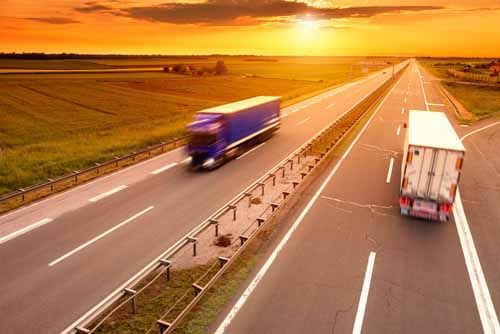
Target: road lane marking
x: 487, y: 313
x: 251, y: 287
x: 479, y: 130
x: 363, y: 298
x: 24, y: 230
x: 331, y: 105
x: 185, y: 161
x: 303, y: 121
x: 436, y: 104
x: 402, y: 111
x: 398, y: 131
x: 406, y: 100
x: 108, y: 193
x: 423, y: 90
x: 284, y: 115
x: 100, y: 236
x: 389, y: 172
x: 164, y: 168
x: 250, y: 151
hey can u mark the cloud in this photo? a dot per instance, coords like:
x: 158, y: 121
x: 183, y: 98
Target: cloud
x: 227, y: 12
x: 93, y: 7
x: 52, y: 20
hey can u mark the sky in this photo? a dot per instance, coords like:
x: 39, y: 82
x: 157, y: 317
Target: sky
x: 261, y: 27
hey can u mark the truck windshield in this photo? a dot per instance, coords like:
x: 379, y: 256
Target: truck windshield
x: 202, y: 139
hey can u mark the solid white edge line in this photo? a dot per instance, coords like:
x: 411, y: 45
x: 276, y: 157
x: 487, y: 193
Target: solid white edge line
x: 303, y: 121
x: 487, y: 313
x: 423, y: 90
x: 105, y: 300
x: 436, y: 104
x: 164, y: 168
x: 248, y: 291
x: 402, y: 111
x: 363, y: 298
x: 100, y: 236
x: 398, y: 131
x: 250, y: 151
x: 107, y: 193
x: 478, y: 130
x: 25, y: 230
x: 389, y: 171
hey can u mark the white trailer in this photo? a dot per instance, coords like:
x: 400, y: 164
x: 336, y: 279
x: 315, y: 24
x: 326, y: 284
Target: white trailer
x: 432, y: 164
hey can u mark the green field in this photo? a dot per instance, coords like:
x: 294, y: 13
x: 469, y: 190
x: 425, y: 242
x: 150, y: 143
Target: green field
x: 480, y: 99
x: 52, y: 124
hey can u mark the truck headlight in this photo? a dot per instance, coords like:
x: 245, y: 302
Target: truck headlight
x: 209, y: 163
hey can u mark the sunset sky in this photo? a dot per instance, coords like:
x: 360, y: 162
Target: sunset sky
x: 267, y: 27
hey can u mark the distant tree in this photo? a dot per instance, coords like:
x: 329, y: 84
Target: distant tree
x: 208, y: 70
x: 179, y: 68
x: 220, y: 68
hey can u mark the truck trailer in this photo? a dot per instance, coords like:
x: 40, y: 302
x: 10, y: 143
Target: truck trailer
x: 432, y: 164
x: 222, y: 133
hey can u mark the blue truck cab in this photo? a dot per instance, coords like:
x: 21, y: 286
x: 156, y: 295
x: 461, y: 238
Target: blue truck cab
x: 221, y: 133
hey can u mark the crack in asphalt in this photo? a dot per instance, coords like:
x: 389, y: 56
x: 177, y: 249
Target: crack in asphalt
x: 338, y: 312
x: 372, y: 207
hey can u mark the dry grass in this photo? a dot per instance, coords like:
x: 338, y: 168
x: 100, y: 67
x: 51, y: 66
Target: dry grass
x: 482, y: 101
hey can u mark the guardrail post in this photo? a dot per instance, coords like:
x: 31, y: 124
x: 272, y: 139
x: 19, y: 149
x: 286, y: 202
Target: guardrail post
x: 249, y: 195
x: 130, y: 292
x: 283, y: 171
x: 223, y: 260
x: 310, y: 167
x: 76, y: 176
x: 302, y: 175
x: 274, y: 178
x: 167, y: 264
x: 194, y: 241
x: 260, y: 221
x: 274, y: 206
x: 163, y: 326
x: 81, y: 330
x: 316, y: 160
x: 298, y: 157
x: 233, y: 207
x: 295, y: 184
x: 285, y: 194
x: 291, y: 163
x: 216, y: 224
x: 262, y: 186
x: 97, y: 169
x: 51, y: 184
x: 197, y: 289
x: 243, y: 239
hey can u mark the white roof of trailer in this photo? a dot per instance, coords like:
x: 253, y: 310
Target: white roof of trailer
x: 240, y: 105
x: 432, y: 129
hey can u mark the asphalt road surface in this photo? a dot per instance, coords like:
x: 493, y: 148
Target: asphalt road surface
x: 348, y: 262
x: 63, y: 255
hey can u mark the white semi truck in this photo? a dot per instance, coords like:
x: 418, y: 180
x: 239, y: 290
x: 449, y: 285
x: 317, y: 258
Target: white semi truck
x: 432, y: 164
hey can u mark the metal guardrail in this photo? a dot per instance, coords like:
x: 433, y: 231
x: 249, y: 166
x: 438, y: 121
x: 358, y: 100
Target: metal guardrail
x: 318, y: 147
x: 33, y: 193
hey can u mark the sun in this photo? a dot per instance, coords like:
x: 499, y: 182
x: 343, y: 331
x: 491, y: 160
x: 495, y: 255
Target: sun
x: 308, y: 24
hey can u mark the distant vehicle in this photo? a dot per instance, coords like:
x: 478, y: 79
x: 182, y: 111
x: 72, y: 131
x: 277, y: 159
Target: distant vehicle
x: 431, y: 168
x: 224, y: 132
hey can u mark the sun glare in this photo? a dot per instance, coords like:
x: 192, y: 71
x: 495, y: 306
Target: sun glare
x: 309, y: 24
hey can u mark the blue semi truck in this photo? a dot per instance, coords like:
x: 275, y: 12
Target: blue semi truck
x: 224, y: 132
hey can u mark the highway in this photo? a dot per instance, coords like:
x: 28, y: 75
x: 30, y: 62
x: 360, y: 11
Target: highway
x: 63, y: 255
x: 346, y: 261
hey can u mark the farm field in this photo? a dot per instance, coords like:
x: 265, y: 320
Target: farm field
x: 52, y: 124
x: 481, y: 100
